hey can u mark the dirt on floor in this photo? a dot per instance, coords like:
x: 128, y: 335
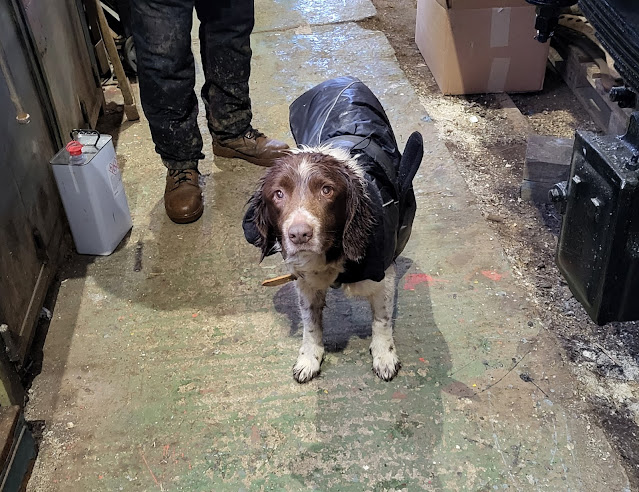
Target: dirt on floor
x: 489, y: 143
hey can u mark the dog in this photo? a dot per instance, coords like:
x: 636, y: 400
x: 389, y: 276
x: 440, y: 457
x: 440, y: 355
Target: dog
x: 339, y: 209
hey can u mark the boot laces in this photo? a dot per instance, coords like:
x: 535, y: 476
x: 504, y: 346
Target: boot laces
x: 179, y: 175
x: 253, y: 134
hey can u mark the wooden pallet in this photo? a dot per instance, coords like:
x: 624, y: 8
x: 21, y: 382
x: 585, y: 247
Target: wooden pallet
x: 583, y: 67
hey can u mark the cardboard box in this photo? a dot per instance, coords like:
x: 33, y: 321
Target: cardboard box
x: 481, y: 46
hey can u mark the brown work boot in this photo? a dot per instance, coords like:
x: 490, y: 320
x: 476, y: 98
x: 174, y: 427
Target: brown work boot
x: 182, y: 196
x: 253, y: 146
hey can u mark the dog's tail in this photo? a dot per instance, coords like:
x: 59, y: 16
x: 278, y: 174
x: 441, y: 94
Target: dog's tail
x: 411, y: 159
x: 408, y: 167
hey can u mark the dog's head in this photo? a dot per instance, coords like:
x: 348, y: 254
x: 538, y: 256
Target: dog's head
x: 313, y: 200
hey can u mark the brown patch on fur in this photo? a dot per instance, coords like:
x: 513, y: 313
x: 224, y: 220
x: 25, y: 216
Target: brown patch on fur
x: 324, y: 186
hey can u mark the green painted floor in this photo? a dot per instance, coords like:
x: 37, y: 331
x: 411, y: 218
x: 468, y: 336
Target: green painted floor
x: 178, y: 376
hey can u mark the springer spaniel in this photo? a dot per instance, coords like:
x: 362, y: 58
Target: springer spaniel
x: 340, y: 214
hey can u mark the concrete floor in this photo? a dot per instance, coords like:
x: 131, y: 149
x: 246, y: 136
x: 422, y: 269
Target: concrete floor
x: 178, y: 376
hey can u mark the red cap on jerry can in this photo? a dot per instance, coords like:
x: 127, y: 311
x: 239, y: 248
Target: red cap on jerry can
x: 74, y: 147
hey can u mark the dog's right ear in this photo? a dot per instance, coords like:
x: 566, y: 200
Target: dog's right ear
x: 256, y: 224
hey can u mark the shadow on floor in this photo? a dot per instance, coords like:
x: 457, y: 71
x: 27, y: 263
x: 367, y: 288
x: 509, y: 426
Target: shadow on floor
x: 370, y: 434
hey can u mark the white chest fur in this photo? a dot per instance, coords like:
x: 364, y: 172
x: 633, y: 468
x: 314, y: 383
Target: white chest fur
x: 313, y: 269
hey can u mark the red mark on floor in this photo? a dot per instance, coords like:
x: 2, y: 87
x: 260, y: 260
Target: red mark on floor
x: 459, y: 390
x: 150, y: 471
x: 414, y: 279
x: 492, y: 275
x: 255, y: 434
x: 194, y: 315
x: 398, y: 396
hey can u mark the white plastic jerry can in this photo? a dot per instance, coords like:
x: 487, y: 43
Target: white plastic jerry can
x: 90, y: 184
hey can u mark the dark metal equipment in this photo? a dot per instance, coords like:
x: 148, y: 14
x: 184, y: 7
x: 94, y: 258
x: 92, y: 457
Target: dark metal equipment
x: 616, y: 23
x: 118, y: 14
x: 598, y: 251
x: 617, y: 26
x: 548, y: 12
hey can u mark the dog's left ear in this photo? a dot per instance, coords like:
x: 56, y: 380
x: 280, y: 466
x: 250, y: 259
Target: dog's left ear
x: 257, y: 228
x: 359, y: 219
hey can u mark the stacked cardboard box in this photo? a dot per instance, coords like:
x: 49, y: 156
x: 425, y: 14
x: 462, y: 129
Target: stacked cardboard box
x: 481, y: 46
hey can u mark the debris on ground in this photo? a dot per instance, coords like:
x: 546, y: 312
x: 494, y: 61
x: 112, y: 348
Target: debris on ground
x: 490, y: 148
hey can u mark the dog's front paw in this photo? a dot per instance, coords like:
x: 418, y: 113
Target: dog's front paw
x: 385, y: 362
x: 307, y: 367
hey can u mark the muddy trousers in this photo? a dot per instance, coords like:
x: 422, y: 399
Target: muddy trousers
x: 166, y: 72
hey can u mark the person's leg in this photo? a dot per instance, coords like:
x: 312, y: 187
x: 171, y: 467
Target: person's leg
x: 225, y: 46
x: 225, y: 31
x: 166, y: 73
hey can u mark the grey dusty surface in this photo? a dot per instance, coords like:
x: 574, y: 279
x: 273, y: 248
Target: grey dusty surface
x: 168, y: 367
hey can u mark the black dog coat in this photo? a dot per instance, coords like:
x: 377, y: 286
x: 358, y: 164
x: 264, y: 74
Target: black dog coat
x: 343, y: 112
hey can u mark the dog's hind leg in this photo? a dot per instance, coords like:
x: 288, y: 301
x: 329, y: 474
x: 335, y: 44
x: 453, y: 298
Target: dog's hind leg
x: 385, y: 360
x: 312, y: 302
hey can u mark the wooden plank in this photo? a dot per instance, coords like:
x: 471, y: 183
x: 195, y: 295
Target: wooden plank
x: 547, y: 157
x: 595, y: 104
x: 8, y: 420
x: 11, y: 390
x: 130, y: 108
x: 577, y: 68
x: 547, y: 163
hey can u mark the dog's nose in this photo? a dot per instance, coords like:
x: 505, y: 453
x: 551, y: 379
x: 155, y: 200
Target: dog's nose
x: 300, y: 233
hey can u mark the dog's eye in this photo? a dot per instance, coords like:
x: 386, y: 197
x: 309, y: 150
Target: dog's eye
x: 279, y: 194
x: 327, y: 190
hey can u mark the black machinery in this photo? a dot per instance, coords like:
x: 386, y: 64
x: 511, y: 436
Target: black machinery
x: 118, y: 14
x: 548, y: 12
x: 616, y: 23
x: 598, y: 250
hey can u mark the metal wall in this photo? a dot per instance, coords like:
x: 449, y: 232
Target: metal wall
x: 46, y: 73
x: 60, y: 37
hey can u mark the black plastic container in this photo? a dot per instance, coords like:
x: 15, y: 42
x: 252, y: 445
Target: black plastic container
x: 598, y: 251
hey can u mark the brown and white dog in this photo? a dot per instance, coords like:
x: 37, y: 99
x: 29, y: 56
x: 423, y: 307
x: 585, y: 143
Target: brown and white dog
x: 340, y: 209
x: 314, y: 202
